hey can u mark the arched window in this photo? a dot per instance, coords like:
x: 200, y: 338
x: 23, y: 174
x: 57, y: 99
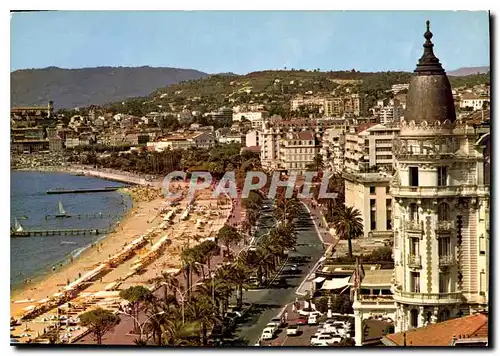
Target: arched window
x: 414, y: 318
x: 443, y: 212
x: 413, y: 208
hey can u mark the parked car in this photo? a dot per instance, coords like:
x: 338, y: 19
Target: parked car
x: 312, y: 319
x: 272, y: 326
x: 292, y: 330
x: 268, y: 333
x: 277, y: 321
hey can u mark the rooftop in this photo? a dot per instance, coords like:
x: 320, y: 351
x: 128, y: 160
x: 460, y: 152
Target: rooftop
x: 379, y: 277
x: 443, y: 334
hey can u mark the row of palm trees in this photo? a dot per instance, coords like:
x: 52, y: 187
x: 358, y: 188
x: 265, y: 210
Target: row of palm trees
x: 186, y: 315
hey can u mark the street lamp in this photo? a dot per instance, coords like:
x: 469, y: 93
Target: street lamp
x: 181, y: 295
x: 141, y: 326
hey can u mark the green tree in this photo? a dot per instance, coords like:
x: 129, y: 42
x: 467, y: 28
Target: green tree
x: 135, y: 295
x: 99, y: 321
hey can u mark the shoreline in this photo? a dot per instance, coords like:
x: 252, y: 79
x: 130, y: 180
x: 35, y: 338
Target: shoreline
x: 40, y: 278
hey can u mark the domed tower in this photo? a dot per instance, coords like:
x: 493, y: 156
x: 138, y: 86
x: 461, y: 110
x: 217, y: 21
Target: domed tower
x: 440, y: 203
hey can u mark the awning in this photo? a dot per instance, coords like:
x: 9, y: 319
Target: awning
x: 319, y: 279
x: 336, y: 283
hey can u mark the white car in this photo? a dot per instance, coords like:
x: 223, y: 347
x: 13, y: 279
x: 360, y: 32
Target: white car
x: 312, y: 319
x: 325, y: 339
x: 309, y: 312
x: 272, y: 326
x: 267, y: 334
x: 292, y: 330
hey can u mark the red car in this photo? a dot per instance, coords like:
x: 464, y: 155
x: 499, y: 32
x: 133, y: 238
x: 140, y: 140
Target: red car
x: 301, y: 321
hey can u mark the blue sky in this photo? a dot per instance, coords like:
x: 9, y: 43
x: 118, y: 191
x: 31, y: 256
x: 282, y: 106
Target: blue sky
x: 246, y: 41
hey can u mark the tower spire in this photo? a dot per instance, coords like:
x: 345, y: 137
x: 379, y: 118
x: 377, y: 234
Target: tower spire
x: 429, y: 64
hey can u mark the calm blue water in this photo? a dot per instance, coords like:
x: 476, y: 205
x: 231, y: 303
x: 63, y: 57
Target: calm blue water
x: 34, y: 256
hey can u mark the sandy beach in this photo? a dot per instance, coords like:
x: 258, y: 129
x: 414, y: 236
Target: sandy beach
x: 134, y: 223
x: 190, y: 225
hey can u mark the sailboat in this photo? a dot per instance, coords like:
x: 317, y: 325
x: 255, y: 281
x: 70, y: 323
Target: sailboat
x: 62, y: 212
x: 18, y: 230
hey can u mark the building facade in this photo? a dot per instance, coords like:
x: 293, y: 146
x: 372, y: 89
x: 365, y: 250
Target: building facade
x: 441, y: 205
x: 368, y: 146
x: 298, y: 150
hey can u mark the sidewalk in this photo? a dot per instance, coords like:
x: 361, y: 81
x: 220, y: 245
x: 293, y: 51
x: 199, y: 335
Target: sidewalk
x: 315, y: 212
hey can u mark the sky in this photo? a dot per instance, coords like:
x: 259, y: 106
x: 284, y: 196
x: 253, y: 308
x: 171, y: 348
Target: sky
x: 247, y: 41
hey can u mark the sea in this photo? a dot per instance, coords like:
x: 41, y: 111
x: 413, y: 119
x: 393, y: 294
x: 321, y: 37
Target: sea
x: 32, y: 257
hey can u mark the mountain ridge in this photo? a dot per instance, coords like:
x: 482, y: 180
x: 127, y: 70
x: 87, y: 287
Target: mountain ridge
x: 464, y: 71
x: 78, y: 87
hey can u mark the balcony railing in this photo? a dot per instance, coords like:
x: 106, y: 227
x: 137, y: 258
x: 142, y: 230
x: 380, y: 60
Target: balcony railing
x: 429, y: 298
x: 407, y: 191
x: 415, y: 261
x: 446, y: 260
x: 444, y: 225
x: 413, y: 225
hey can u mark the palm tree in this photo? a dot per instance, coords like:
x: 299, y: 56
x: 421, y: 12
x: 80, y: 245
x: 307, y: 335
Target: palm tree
x: 348, y: 225
x: 177, y: 333
x: 202, y: 311
x: 169, y: 283
x: 239, y: 278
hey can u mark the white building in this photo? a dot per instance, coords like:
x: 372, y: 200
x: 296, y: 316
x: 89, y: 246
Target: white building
x: 473, y: 101
x: 368, y: 146
x: 298, y: 150
x: 252, y: 138
x: 369, y: 194
x: 441, y: 205
x: 333, y: 145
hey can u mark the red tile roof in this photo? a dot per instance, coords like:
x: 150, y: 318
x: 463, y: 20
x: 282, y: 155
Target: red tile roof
x: 364, y: 126
x: 441, y: 334
x: 252, y: 148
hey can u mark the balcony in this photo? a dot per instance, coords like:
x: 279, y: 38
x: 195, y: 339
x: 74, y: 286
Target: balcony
x: 446, y: 260
x: 435, y: 192
x: 444, y: 226
x: 413, y: 225
x: 414, y: 261
x: 427, y: 298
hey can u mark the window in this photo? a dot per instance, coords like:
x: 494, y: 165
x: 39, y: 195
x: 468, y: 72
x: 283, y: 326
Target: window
x: 372, y: 190
x: 444, y: 248
x: 482, y: 283
x: 482, y: 245
x: 414, y: 246
x: 443, y: 212
x: 415, y: 282
x: 413, y: 176
x: 387, y: 190
x: 444, y: 282
x: 413, y: 210
x: 414, y: 318
x: 442, y: 176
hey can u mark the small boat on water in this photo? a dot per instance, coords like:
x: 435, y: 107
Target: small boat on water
x: 18, y: 230
x: 61, y: 212
x: 68, y: 243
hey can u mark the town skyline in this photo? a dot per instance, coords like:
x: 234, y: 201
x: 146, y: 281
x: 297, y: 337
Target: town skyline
x: 328, y: 40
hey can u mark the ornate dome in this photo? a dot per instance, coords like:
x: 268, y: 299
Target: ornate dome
x: 429, y: 96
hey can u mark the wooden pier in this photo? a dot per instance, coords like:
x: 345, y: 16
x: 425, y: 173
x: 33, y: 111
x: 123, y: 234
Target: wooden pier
x: 83, y: 216
x: 87, y: 190
x: 57, y: 232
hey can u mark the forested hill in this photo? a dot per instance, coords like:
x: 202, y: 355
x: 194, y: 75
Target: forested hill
x: 70, y: 88
x: 273, y: 89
